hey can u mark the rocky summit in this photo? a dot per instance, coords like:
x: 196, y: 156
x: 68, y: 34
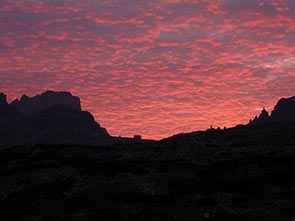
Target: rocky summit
x: 284, y: 111
x: 52, y: 117
x: 32, y: 105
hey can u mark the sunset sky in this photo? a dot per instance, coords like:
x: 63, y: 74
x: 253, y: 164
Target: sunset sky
x: 154, y: 68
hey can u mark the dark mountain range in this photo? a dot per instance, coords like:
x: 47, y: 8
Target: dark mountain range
x: 52, y: 117
x: 241, y: 173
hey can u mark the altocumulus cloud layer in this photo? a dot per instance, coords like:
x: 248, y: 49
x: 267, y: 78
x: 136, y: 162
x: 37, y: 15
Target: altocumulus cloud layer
x: 154, y: 68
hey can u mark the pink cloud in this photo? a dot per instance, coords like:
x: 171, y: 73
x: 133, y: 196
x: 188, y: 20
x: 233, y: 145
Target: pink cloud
x: 155, y: 68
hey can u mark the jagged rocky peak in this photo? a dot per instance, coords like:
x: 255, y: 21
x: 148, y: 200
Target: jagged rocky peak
x: 264, y: 114
x: 32, y: 105
x: 262, y: 118
x: 284, y: 110
x: 3, y: 101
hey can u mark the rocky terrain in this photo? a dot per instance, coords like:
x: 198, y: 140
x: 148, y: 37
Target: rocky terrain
x: 240, y: 173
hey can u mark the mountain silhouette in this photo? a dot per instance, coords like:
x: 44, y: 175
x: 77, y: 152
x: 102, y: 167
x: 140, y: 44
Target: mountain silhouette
x: 284, y: 111
x: 3, y: 101
x: 240, y: 173
x: 262, y: 118
x: 52, y: 117
x: 32, y: 105
x: 57, y: 117
x: 5, y: 108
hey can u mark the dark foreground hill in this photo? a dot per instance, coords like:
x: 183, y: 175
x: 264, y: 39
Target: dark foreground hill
x: 241, y: 173
x: 238, y: 174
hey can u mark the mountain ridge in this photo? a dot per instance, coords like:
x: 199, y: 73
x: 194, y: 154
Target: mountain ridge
x: 52, y: 117
x: 62, y: 109
x: 283, y: 111
x: 32, y: 105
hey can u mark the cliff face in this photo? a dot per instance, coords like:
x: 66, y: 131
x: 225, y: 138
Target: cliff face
x: 49, y: 118
x: 32, y: 105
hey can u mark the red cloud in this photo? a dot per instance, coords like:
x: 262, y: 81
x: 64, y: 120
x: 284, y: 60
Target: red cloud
x: 155, y: 68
